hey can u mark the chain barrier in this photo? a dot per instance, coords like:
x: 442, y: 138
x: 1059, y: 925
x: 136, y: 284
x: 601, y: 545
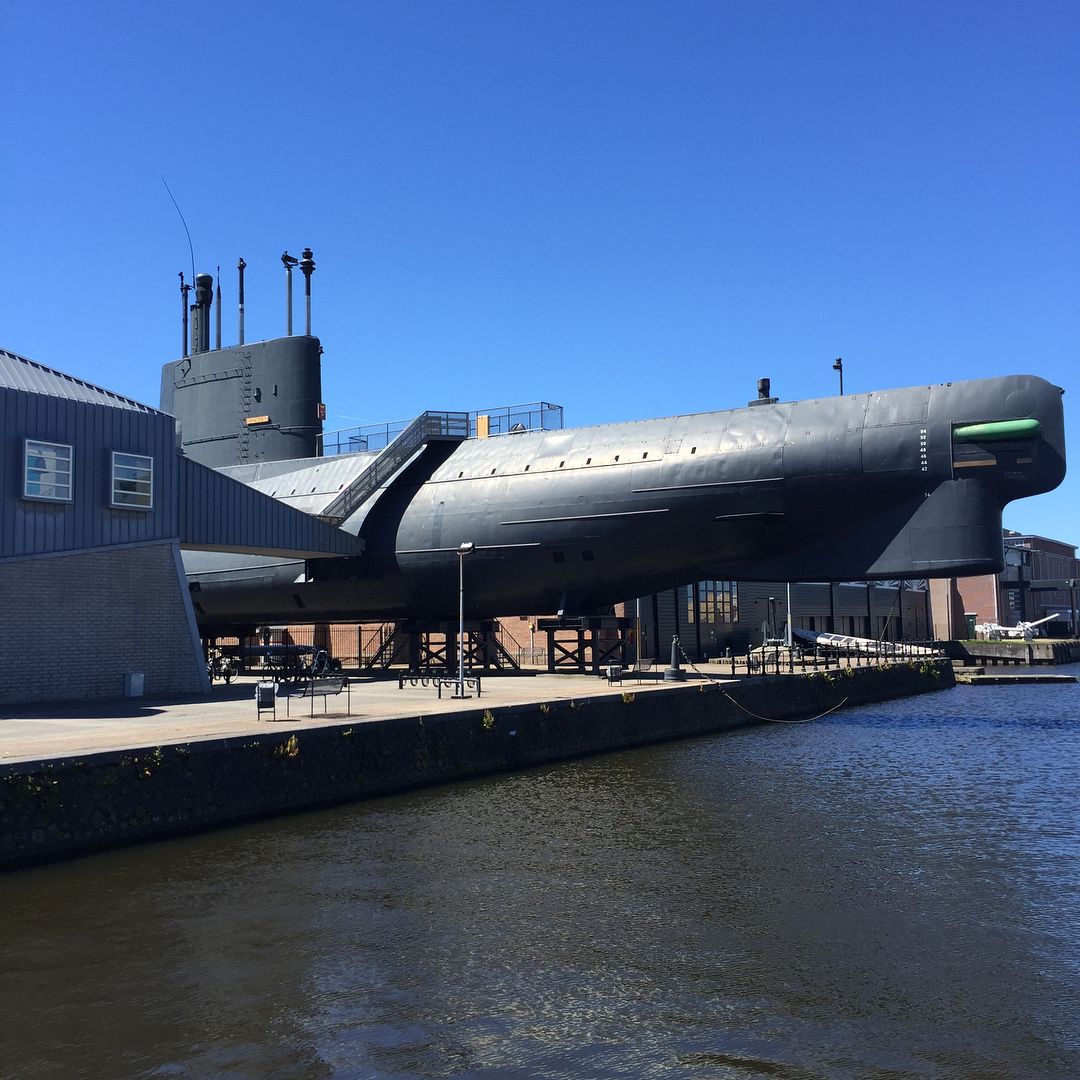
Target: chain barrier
x: 697, y: 671
x: 757, y: 716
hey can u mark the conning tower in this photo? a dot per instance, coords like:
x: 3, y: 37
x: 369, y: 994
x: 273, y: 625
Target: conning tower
x: 249, y: 402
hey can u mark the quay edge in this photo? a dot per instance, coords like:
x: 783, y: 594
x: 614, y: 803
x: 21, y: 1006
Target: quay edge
x: 1031, y: 653
x: 57, y: 809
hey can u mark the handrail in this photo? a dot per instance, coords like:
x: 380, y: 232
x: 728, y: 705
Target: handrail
x: 427, y: 427
x: 502, y: 420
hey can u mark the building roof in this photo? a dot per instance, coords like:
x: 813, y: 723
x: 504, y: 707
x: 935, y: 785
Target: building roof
x: 18, y: 373
x: 308, y: 484
x: 218, y: 513
x: 1034, y: 542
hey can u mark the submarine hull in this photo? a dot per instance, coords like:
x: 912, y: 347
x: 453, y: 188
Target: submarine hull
x: 906, y: 483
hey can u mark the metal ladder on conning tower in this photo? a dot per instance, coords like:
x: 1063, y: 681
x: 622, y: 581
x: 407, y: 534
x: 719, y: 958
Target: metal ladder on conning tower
x: 427, y: 428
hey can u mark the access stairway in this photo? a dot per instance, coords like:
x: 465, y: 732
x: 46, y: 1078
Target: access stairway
x: 427, y: 429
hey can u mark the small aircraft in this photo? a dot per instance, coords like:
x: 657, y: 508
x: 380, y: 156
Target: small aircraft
x: 1025, y: 630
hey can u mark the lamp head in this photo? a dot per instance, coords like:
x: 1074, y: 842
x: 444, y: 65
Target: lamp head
x: 466, y: 547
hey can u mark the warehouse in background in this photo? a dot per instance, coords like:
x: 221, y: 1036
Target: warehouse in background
x: 711, y: 617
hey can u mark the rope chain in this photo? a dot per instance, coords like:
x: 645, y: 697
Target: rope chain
x: 768, y: 719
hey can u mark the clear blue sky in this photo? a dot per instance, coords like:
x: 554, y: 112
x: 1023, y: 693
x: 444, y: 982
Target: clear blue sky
x: 633, y: 209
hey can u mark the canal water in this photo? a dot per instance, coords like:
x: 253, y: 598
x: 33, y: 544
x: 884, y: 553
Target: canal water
x: 888, y: 892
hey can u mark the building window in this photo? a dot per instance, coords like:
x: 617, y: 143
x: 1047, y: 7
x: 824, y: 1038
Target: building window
x: 717, y: 601
x: 132, y: 481
x: 47, y: 473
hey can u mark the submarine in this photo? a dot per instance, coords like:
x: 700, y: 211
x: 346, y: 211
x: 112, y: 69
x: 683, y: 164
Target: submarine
x: 896, y: 483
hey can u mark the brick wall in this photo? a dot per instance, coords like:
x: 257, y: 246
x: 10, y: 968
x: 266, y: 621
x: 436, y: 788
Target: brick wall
x: 980, y: 595
x: 74, y: 625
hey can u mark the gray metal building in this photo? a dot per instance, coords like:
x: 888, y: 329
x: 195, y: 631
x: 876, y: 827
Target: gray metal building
x: 711, y: 616
x: 96, y: 501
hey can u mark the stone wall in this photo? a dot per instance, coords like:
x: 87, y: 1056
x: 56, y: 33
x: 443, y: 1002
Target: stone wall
x: 1015, y: 651
x: 56, y: 809
x: 75, y: 625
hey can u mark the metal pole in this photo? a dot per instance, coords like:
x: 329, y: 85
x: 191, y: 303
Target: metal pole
x: 461, y: 623
x: 288, y: 261
x: 307, y: 265
x: 288, y: 301
x: 838, y: 366
x: 466, y: 547
x: 789, y: 616
x: 217, y: 318
x: 240, y: 266
x: 183, y: 314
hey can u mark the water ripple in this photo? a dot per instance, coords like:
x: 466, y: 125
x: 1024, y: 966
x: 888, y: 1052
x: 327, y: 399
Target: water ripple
x: 890, y: 892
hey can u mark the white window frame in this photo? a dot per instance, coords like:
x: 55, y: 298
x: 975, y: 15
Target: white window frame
x: 118, y: 499
x: 63, y: 450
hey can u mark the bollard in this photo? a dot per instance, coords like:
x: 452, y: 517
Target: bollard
x: 674, y: 673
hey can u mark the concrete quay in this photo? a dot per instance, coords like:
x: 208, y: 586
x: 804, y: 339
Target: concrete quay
x: 1014, y: 651
x: 229, y: 712
x: 81, y: 779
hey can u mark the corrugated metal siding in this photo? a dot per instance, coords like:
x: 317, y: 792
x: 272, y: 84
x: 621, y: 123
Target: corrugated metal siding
x: 93, y: 430
x: 310, y: 485
x: 671, y: 620
x: 221, y: 514
x: 18, y: 373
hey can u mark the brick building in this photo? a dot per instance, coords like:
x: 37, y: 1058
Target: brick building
x: 1008, y: 598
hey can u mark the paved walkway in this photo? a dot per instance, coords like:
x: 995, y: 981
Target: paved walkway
x: 35, y: 734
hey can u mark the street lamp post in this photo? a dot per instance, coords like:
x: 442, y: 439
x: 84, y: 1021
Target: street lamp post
x: 466, y: 547
x: 838, y: 366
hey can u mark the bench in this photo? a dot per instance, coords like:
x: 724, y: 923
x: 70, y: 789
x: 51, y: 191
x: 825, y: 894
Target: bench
x: 324, y: 687
x: 642, y: 668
